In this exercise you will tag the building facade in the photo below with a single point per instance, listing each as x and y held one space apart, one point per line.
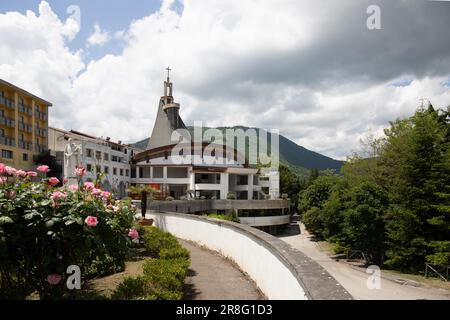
23 126
104 159
192 172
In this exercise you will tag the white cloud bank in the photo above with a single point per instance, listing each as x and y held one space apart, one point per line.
288 65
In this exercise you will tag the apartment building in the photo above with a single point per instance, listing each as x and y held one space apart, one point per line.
23 126
100 156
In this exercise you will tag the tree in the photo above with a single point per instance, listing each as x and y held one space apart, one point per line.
290 184
415 162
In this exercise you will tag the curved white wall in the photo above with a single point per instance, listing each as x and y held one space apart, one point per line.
271 275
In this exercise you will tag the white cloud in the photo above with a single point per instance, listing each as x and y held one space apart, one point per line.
290 67
98 37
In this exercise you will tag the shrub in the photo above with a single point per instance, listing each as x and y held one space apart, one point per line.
174 253
164 276
44 229
170 198
231 196
227 217
155 240
131 288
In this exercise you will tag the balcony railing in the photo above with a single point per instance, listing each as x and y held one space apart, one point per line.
40 115
25 145
41 148
41 132
7 102
7 141
7 122
25 109
25 127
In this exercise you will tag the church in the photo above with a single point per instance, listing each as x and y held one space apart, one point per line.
205 172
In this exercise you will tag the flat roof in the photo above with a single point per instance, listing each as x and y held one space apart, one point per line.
23 91
99 139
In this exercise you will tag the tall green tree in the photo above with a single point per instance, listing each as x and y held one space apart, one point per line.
415 162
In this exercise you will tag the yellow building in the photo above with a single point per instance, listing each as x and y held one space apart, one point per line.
23 126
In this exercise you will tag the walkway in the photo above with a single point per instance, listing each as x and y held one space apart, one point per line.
212 277
354 280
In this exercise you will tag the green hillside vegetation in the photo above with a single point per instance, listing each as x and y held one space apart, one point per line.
393 205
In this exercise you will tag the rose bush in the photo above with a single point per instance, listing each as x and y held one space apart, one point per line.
44 229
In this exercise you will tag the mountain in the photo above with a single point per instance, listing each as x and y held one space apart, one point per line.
298 158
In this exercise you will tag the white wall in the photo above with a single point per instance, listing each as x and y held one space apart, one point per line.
271 275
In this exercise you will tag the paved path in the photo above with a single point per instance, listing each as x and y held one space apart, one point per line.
355 281
212 277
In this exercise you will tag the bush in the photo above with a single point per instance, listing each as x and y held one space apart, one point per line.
155 240
164 275
227 217
170 198
231 196
44 229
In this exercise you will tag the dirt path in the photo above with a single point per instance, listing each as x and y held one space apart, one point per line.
354 280
212 277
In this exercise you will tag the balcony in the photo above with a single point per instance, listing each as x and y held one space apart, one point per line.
41 148
7 102
41 132
7 122
25 127
25 109
40 115
7 141
25 145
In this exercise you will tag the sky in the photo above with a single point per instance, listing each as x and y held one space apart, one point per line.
311 69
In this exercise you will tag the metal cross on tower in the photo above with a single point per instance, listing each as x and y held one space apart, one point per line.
168 73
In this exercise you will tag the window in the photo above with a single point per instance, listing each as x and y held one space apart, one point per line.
7 154
98 169
125 151
2 132
106 156
115 171
88 153
98 155
25 157
107 170
127 173
121 172
89 167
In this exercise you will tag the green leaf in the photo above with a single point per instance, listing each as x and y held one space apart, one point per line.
5 220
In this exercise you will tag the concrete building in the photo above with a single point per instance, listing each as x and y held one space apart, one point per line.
189 171
23 126
99 156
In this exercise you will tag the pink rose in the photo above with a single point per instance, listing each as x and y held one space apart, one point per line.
10 171
21 173
105 195
73 187
110 206
89 186
133 234
3 180
80 171
54 278
2 168
53 181
43 169
65 181
96 192
55 196
91 221
31 174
